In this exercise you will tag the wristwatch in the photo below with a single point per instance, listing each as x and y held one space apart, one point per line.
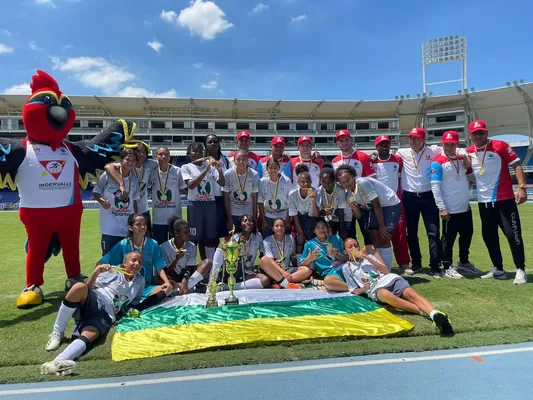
522 186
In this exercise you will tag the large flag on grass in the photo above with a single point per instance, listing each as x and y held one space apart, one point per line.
183 324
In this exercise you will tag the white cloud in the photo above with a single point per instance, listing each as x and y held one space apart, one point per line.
204 19
95 72
299 18
5 49
259 8
131 91
198 65
46 2
209 85
155 45
33 46
5 32
23 88
168 16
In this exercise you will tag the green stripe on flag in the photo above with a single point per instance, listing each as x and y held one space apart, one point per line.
188 315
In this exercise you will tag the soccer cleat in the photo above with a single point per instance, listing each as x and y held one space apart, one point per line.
495 273
520 277
58 367
54 341
437 274
413 270
468 268
452 273
72 281
441 321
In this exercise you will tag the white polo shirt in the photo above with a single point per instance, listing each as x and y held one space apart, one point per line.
416 172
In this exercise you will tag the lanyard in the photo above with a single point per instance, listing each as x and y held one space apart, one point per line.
281 250
417 162
162 187
275 192
482 162
242 186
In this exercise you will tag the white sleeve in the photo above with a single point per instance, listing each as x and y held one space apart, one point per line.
261 194
225 188
268 248
100 186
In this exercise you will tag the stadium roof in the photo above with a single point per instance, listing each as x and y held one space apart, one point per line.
505 110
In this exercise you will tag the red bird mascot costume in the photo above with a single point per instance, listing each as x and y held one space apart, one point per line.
46 169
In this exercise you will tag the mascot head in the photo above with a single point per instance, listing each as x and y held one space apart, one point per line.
48 114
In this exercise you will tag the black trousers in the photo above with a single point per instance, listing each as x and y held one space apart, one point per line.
462 224
502 214
416 204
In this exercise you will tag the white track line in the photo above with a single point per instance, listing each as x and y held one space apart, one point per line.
220 375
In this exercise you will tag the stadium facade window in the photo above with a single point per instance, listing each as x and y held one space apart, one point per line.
283 127
383 125
362 139
221 125
178 125
95 124
340 125
20 124
445 118
261 140
322 127
302 127
158 124
321 139
362 126
261 126
242 126
77 124
201 125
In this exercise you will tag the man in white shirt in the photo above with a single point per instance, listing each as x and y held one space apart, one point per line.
418 199
450 187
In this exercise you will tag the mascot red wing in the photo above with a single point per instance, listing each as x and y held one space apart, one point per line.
46 170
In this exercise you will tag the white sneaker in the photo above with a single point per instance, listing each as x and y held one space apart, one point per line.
58 367
54 342
495 273
520 277
452 273
468 268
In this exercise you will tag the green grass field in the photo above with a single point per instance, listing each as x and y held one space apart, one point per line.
483 312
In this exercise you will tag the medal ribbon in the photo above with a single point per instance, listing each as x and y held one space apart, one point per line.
329 203
349 158
142 175
281 250
417 162
274 193
482 162
161 187
456 166
133 246
242 186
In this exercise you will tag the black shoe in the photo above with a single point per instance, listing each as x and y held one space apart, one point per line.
442 322
72 281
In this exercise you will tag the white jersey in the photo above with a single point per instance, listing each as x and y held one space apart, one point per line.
114 292
48 178
336 200
167 204
368 189
416 172
205 189
299 205
240 201
114 220
250 249
143 176
275 196
169 255
280 252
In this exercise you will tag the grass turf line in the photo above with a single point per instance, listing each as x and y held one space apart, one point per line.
483 312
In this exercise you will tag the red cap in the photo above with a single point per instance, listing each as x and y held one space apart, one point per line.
382 138
243 134
477 125
343 133
305 139
418 132
278 140
450 137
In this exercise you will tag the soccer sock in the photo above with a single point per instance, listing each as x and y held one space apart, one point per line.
74 350
254 283
218 260
194 279
209 252
432 314
386 254
66 311
284 283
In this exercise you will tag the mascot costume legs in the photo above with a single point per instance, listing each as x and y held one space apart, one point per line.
47 170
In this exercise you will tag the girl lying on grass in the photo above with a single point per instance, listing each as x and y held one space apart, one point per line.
366 272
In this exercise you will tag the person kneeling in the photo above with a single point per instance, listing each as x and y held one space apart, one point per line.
366 272
94 306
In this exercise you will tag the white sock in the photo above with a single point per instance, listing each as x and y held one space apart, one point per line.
63 316
284 283
209 252
194 279
386 254
254 283
218 260
432 314
73 351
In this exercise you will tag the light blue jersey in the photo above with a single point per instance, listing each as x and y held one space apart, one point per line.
153 260
325 265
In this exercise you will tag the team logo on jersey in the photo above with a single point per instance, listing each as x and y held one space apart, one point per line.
433 171
164 197
240 197
63 150
53 167
121 205
509 150
274 205
205 191
427 156
395 167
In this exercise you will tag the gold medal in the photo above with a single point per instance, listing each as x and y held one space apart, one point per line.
416 163
163 197
482 171
163 187
241 186
457 168
482 161
309 191
281 250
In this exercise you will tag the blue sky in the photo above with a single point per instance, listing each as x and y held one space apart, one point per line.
273 49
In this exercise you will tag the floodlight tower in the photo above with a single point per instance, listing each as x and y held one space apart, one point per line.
444 50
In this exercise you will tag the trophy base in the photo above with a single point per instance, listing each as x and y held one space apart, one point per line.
232 301
211 304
